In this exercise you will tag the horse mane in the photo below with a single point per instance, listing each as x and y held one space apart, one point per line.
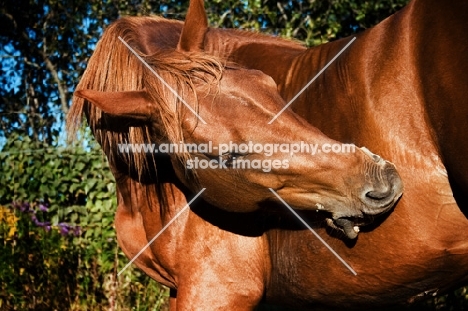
265 38
113 67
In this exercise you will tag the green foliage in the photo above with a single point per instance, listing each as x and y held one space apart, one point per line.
58 246
313 22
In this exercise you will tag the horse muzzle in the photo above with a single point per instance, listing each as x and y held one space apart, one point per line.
384 187
380 193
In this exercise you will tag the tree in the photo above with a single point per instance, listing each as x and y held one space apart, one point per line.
46 43
45 48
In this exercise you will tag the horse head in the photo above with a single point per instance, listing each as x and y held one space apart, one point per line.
216 118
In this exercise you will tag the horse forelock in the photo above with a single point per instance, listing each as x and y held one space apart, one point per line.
113 67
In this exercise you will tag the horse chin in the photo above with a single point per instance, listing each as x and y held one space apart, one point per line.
346 225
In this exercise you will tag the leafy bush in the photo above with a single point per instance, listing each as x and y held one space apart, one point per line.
58 247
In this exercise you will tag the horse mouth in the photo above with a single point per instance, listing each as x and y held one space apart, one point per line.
348 225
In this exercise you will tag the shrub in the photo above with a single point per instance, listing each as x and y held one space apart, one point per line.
58 248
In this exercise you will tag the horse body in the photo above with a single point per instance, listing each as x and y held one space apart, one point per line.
216 259
399 88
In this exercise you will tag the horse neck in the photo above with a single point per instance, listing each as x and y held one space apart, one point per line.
408 71
327 101
269 54
292 66
366 94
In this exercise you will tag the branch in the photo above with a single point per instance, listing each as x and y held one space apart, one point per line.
33 106
50 66
61 90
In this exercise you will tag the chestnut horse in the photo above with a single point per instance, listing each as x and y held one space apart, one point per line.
215 259
400 89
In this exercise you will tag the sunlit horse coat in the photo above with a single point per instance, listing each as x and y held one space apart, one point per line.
214 258
400 89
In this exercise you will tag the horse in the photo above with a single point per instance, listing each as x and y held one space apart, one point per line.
216 255
399 89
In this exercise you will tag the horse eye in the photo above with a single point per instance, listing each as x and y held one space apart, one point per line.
226 158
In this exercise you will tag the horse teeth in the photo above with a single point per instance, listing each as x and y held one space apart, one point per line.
356 228
319 206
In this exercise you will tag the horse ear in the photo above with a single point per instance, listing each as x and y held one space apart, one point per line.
195 28
131 104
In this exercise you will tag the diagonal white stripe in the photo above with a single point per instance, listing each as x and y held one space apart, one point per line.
310 82
160 232
315 233
162 80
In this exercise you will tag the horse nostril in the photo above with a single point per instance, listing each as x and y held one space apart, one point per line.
379 195
384 186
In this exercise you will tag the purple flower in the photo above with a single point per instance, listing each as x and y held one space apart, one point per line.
22 207
43 207
25 207
45 224
64 228
77 230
